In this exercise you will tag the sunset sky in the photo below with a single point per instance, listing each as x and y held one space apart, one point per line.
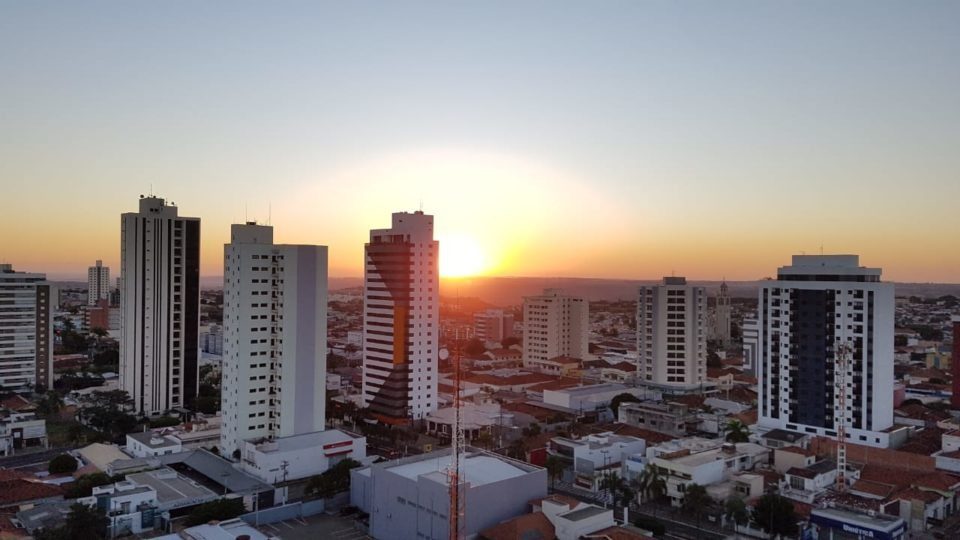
597 139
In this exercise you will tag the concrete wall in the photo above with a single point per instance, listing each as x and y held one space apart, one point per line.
404 508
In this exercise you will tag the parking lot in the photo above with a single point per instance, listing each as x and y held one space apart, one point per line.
320 526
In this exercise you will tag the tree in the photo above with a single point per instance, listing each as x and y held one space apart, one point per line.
736 510
555 466
220 509
651 484
518 450
62 463
713 360
775 515
483 440
618 488
737 432
474 347
532 430
619 399
50 403
696 501
332 481
509 342
83 486
106 412
83 523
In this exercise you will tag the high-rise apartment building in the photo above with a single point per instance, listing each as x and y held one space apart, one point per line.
27 304
721 316
98 284
401 322
554 325
955 363
819 307
160 301
492 325
671 333
751 344
274 338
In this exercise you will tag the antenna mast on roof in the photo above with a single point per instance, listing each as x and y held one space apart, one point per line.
457 516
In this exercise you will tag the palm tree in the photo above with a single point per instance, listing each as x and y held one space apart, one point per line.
650 484
617 487
555 467
737 432
696 500
736 511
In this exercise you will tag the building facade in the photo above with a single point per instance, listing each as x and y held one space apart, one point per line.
98 284
751 345
554 325
818 307
401 323
274 338
671 334
721 316
492 325
27 302
160 306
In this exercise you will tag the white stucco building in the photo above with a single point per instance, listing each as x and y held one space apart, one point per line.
160 306
274 338
671 333
555 325
98 283
27 304
300 456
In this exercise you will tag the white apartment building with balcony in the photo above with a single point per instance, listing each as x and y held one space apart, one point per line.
27 303
274 338
555 325
671 333
160 306
816 308
401 322
98 283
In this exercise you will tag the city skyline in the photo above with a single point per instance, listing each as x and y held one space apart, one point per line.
630 142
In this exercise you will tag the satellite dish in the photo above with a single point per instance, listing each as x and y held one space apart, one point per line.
444 354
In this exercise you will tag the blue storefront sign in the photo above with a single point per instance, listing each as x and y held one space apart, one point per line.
857 529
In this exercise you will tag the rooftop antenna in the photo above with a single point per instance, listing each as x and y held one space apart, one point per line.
821 247
270 213
245 218
151 189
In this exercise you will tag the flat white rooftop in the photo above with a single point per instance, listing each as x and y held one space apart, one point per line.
478 469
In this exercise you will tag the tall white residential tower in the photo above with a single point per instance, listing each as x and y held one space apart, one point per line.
401 308
160 300
671 333
27 303
274 338
555 324
98 283
817 304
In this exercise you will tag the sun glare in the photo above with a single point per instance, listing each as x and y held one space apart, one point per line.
460 256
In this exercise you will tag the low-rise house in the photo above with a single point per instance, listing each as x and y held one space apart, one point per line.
131 508
475 419
592 457
300 456
19 430
671 417
684 467
18 490
560 366
806 484
152 443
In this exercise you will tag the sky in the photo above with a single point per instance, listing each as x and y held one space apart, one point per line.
598 139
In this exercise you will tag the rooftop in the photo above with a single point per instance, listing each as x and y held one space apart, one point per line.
173 490
153 439
478 469
583 513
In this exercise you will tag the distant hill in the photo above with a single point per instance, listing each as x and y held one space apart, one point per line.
505 291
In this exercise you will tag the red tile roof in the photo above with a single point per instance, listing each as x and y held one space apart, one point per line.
914 494
20 491
513 380
939 481
16 403
556 384
878 489
526 526
652 437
